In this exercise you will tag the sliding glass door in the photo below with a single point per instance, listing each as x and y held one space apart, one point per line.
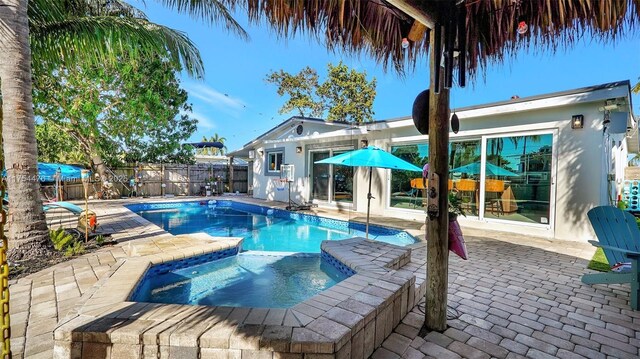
330 183
506 178
320 176
518 182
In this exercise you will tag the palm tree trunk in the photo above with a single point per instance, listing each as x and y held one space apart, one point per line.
28 233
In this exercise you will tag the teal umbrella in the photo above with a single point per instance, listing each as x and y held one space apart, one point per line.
371 157
491 170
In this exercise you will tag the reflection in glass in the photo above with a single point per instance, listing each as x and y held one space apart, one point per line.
518 178
342 182
464 172
320 176
407 189
406 186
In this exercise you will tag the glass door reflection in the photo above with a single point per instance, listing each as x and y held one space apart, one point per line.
518 178
342 181
320 176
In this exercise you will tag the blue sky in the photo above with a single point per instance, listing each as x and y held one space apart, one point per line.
235 101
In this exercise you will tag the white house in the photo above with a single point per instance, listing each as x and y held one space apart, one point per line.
531 165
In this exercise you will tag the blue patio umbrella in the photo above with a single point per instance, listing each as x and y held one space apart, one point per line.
491 170
206 144
370 156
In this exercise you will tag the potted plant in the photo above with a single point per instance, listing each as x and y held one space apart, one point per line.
456 240
455 206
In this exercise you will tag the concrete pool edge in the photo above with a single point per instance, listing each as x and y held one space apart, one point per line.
353 316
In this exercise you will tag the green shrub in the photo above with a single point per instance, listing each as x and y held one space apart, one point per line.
76 248
622 205
61 239
66 243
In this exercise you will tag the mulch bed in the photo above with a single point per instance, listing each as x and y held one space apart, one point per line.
34 265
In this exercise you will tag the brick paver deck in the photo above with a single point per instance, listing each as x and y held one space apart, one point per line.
516 297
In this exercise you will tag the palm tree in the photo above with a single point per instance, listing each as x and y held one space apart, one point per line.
66 32
217 138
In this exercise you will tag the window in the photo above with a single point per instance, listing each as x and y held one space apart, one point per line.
518 178
275 159
407 188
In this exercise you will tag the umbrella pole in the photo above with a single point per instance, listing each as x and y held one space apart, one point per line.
369 196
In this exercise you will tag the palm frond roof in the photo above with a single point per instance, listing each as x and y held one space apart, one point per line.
377 27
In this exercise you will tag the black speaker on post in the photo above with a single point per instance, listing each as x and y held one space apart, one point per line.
420 112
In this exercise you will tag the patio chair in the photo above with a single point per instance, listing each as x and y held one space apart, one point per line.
619 237
493 194
89 218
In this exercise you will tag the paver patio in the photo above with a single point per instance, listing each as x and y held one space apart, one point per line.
516 297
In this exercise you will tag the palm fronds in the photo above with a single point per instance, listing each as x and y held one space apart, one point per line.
102 40
209 11
377 27
105 31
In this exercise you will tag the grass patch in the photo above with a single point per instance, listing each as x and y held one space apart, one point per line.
599 262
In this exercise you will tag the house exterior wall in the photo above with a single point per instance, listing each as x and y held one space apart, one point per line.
286 139
579 174
587 168
264 184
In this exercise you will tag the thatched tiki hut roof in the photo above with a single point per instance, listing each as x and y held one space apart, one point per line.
378 26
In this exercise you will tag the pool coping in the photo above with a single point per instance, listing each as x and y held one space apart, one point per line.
350 319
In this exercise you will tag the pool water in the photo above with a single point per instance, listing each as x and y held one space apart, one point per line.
262 232
243 280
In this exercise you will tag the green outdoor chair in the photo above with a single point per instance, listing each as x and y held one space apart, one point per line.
619 237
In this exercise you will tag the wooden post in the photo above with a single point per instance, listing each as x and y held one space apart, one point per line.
188 180
162 184
437 228
231 174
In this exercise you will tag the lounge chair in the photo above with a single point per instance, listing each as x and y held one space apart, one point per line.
619 237
89 219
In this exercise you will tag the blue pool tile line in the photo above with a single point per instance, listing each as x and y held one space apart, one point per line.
343 268
173 265
275 212
188 262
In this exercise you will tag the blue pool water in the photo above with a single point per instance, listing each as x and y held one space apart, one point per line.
243 280
263 229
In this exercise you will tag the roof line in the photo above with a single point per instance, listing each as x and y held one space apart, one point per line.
293 119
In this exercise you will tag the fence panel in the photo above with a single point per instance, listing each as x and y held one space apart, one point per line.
179 180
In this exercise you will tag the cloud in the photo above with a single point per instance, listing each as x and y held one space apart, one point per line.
224 102
204 121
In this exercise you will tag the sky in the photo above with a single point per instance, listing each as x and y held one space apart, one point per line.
234 100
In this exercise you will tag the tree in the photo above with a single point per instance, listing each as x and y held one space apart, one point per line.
301 89
212 150
346 95
217 138
118 113
57 146
71 31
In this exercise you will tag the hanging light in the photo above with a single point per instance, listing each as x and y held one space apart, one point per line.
405 42
522 27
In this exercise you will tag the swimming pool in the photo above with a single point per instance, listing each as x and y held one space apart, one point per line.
249 279
263 228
